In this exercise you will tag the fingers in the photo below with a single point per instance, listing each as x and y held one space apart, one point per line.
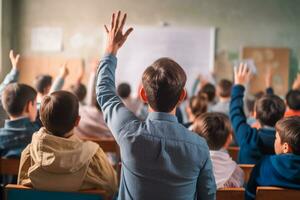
11 54
117 21
128 32
123 22
112 25
106 29
17 57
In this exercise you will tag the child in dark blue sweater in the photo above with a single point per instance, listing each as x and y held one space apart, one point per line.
283 169
254 143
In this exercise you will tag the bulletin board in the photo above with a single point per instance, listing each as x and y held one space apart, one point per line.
277 59
32 66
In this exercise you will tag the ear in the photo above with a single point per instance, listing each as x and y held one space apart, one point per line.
182 96
27 107
228 141
77 120
143 95
286 148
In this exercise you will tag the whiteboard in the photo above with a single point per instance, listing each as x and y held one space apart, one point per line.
191 48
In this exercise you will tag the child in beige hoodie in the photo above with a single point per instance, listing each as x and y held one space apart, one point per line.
59 161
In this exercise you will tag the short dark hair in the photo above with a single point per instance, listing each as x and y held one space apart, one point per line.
293 99
289 131
198 104
59 112
225 88
164 82
79 90
210 90
269 109
124 90
16 96
214 127
42 82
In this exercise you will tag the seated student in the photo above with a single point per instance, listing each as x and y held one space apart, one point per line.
293 103
161 159
78 88
223 92
124 92
59 161
19 102
216 129
43 84
197 105
210 90
254 143
282 169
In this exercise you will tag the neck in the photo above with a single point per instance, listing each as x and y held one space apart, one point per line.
224 99
173 112
17 117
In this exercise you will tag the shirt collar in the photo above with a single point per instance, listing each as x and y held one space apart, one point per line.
162 116
20 122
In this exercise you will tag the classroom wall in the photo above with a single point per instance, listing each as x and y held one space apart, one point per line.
270 23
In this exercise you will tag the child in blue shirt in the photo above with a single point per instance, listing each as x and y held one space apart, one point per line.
282 169
161 159
254 143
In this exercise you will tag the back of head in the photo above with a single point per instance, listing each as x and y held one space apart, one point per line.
164 82
269 109
59 112
15 97
224 88
198 104
214 127
289 131
293 99
210 90
124 90
43 83
79 90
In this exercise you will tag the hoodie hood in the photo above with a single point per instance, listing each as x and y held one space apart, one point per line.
61 161
287 166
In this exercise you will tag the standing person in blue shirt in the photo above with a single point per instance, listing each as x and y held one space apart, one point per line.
254 143
161 159
282 169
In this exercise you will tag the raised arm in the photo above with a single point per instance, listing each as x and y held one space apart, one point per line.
91 96
269 80
60 80
237 116
13 75
115 113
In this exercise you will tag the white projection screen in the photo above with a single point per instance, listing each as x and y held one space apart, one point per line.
192 47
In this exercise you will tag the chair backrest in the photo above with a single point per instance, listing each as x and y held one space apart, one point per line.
247 171
9 166
234 152
14 192
230 194
276 193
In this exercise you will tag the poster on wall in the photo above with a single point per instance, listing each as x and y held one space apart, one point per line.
46 39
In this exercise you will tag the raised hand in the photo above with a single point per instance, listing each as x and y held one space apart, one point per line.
14 59
269 77
64 71
115 35
242 75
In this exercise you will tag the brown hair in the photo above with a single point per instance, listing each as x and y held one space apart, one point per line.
225 88
79 90
269 109
163 82
289 132
214 127
16 96
59 112
198 104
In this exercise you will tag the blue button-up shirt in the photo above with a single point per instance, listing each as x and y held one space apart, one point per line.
161 159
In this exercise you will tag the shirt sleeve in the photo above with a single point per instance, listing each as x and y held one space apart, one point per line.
206 185
11 77
238 119
269 90
116 115
57 84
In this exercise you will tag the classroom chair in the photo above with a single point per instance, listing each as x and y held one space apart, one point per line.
230 194
16 192
276 193
234 152
247 168
9 166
